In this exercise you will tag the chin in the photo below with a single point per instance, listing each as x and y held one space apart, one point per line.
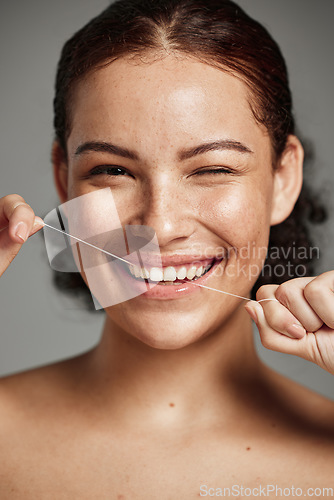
167 340
168 332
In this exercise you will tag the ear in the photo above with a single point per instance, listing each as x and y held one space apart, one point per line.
288 180
60 170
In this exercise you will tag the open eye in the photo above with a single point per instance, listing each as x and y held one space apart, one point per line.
108 170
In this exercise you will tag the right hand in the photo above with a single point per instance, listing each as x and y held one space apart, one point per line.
17 223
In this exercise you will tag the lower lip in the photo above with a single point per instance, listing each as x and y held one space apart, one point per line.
164 292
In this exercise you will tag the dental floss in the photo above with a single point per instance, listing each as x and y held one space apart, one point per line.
228 293
124 260
86 243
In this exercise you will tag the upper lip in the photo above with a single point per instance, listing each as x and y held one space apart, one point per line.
173 260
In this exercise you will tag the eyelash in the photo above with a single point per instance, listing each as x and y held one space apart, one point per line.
104 169
107 171
214 171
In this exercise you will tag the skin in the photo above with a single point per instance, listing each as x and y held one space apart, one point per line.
174 395
161 187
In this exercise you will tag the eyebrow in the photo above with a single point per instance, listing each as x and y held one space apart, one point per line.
222 145
185 154
106 147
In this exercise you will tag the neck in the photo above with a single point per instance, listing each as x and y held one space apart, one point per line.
164 387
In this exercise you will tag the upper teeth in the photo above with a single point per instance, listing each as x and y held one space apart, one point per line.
168 273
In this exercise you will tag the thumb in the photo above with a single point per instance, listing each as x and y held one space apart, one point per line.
270 338
255 311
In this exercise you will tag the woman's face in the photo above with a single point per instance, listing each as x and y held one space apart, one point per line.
199 173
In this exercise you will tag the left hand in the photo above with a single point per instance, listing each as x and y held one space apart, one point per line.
301 319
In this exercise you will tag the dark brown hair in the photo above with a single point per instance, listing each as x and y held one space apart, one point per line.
216 32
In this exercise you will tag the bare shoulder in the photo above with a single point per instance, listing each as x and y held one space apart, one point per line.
39 421
311 410
296 424
35 392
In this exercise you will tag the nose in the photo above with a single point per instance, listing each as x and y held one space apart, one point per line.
166 208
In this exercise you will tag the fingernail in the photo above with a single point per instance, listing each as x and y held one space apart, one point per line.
38 222
22 231
296 330
252 313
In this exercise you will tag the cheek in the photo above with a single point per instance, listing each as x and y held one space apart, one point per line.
237 215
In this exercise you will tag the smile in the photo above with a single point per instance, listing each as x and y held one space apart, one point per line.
175 278
171 275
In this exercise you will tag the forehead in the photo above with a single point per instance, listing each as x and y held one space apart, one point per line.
170 99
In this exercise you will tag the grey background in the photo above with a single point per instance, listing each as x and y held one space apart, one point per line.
37 325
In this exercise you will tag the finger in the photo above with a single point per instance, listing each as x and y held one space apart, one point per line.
278 317
291 295
17 223
18 216
319 294
272 339
7 206
10 249
37 226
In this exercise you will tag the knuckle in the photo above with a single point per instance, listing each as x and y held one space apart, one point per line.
312 290
262 292
27 210
283 294
14 209
26 207
326 275
265 292
13 198
11 202
300 282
